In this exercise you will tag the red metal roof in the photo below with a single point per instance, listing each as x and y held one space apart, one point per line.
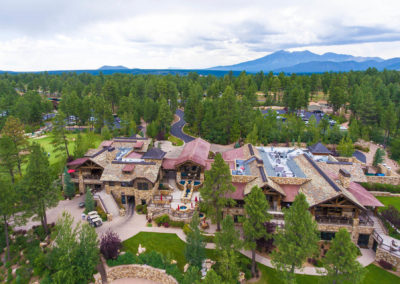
195 151
128 168
363 196
134 155
233 154
138 144
238 194
77 162
169 164
291 191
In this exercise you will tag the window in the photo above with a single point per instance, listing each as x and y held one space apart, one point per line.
143 201
127 184
143 186
236 218
111 183
327 236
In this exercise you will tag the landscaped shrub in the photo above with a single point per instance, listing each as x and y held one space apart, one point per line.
176 224
141 209
127 258
166 224
208 239
102 214
386 265
392 215
186 229
39 232
361 148
162 219
110 244
381 187
152 258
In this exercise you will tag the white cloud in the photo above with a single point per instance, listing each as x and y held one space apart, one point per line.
48 35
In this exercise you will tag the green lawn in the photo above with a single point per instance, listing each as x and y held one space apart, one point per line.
48 147
171 244
387 200
175 140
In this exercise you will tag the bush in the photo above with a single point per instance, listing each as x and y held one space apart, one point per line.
177 224
127 258
392 215
39 232
102 214
361 148
186 229
141 209
162 219
110 244
166 224
386 265
208 239
381 187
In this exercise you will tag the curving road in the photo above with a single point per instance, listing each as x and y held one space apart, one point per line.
176 128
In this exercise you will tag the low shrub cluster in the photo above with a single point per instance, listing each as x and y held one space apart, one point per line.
386 265
167 222
392 215
102 214
381 187
361 148
153 259
141 209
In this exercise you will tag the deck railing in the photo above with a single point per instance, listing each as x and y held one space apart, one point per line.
334 220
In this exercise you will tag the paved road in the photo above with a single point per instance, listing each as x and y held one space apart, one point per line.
176 129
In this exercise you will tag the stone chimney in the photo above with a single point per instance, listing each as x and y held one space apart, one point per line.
344 177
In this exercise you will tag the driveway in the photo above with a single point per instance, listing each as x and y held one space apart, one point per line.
176 128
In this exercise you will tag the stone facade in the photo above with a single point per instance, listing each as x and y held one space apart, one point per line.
387 256
394 180
136 271
139 195
290 180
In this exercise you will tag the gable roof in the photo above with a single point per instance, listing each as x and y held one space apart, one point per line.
319 148
77 162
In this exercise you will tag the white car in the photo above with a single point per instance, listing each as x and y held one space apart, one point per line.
92 215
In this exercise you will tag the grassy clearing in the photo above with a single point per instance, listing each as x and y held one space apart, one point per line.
171 244
175 141
388 200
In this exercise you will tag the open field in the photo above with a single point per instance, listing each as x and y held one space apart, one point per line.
387 200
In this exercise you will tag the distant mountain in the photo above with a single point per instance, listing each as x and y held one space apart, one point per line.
107 67
308 62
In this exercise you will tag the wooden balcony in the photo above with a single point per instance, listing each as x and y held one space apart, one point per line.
338 220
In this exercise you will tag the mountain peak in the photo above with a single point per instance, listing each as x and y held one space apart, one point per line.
108 67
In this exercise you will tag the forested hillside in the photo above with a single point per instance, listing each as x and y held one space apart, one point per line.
219 109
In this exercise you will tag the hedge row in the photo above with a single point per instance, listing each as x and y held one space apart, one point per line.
381 187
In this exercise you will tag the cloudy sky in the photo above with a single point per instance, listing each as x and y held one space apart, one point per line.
86 34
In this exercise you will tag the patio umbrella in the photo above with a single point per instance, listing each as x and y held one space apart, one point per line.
191 204
161 197
195 199
178 207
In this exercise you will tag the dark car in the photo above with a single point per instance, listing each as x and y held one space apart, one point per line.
81 204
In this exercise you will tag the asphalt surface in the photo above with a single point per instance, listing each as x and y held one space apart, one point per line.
360 156
176 128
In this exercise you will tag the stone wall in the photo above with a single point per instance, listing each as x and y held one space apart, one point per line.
139 194
387 256
394 180
136 271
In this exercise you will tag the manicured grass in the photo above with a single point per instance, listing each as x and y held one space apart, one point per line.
164 243
374 275
175 141
48 147
388 200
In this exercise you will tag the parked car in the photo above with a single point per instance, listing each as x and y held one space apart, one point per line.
95 222
92 215
81 204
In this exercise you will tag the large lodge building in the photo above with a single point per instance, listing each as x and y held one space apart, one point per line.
133 171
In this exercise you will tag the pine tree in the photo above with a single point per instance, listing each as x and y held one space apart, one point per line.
105 133
39 192
341 260
229 266
346 147
256 207
69 189
59 134
228 238
89 201
195 246
378 157
211 278
252 137
297 241
192 275
8 156
14 129
217 183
